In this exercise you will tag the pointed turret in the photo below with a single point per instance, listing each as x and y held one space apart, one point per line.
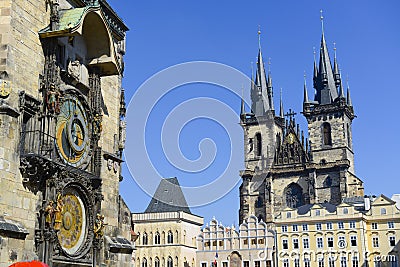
336 71
261 93
324 81
341 91
305 99
315 77
270 88
349 103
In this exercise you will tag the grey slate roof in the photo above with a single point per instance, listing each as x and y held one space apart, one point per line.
168 198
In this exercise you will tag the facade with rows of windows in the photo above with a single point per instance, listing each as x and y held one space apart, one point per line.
345 235
252 244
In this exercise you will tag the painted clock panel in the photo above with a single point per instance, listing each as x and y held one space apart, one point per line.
73 223
72 132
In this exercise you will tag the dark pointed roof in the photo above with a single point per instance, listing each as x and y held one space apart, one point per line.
325 81
168 198
261 89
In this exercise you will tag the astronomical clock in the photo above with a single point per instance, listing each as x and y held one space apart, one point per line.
61 157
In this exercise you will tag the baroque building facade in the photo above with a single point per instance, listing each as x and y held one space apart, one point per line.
166 232
283 168
358 232
62 130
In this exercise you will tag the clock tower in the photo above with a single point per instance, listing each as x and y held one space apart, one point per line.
63 104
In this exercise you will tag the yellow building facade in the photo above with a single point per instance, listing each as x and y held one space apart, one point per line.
346 235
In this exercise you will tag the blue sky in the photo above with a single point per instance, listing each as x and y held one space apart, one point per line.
166 33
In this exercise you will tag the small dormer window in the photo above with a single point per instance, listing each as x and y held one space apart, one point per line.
383 211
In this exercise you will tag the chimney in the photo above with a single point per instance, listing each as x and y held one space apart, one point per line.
367 202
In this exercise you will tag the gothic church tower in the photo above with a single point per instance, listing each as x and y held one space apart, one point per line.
283 168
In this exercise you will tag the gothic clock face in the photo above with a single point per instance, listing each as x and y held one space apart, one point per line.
72 131
73 223
290 138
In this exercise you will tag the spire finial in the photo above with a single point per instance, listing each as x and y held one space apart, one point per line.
259 36
334 48
322 21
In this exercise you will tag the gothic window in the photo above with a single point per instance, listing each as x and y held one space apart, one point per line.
157 238
327 137
294 196
144 262
258 145
156 262
145 239
170 238
170 263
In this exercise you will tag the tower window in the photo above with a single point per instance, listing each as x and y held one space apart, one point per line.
258 145
294 196
327 138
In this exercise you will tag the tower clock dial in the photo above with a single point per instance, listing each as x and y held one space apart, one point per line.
72 132
290 138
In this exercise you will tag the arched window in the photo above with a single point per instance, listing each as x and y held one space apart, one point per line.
170 238
294 195
258 145
157 238
383 211
345 211
145 240
156 262
170 263
144 262
326 131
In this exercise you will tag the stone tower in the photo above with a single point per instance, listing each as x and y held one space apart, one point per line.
283 167
62 132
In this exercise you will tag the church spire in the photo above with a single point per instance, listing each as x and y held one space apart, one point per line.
325 81
261 98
